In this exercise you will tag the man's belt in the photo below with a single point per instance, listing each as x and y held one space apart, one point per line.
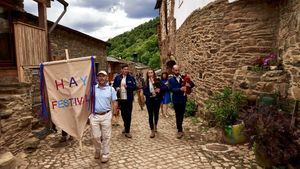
102 113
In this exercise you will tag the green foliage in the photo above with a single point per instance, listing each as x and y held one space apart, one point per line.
257 68
223 107
190 109
194 120
142 40
269 129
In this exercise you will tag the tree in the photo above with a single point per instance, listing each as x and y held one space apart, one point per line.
141 40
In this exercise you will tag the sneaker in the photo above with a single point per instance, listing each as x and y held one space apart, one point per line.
123 131
128 135
97 155
105 158
152 135
179 135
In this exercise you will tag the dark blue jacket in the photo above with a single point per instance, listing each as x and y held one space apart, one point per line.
177 95
148 94
130 83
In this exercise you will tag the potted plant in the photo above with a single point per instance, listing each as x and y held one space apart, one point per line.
272 139
224 107
268 62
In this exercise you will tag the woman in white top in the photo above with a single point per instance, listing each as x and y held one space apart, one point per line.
153 92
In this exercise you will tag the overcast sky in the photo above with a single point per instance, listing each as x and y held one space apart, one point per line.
102 19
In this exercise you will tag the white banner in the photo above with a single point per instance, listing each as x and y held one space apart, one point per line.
68 85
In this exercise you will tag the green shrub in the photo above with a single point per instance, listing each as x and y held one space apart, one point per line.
223 107
269 129
191 108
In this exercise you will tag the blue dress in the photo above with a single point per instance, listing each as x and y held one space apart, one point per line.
166 96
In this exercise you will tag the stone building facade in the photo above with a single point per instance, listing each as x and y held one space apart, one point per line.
166 31
288 42
217 40
78 45
19 102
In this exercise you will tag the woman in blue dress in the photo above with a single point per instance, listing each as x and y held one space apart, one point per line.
166 95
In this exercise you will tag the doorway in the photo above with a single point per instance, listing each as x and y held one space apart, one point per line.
7 58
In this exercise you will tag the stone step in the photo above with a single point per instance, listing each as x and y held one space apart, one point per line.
8 79
5 98
15 84
14 87
13 90
7 160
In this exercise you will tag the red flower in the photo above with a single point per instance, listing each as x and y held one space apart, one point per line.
185 80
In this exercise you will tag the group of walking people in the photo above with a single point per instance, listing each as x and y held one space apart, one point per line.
108 99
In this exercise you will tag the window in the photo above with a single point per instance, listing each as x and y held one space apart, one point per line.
6 57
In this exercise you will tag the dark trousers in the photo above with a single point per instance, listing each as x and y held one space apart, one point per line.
64 134
126 111
153 106
179 111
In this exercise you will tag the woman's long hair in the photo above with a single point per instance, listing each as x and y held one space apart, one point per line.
155 80
162 76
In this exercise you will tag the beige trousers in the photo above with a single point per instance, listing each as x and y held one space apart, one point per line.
101 131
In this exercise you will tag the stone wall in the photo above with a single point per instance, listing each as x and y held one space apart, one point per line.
289 47
19 109
289 42
220 38
262 82
77 45
16 119
33 96
166 32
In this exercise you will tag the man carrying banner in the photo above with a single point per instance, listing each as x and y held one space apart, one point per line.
125 85
100 121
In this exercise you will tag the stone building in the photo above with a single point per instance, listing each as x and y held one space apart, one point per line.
24 43
215 40
114 67
77 43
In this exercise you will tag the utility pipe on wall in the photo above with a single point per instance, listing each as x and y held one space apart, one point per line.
65 4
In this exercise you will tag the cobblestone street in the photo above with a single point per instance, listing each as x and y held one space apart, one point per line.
164 151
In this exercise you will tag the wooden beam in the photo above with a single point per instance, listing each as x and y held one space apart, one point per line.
40 1
48 2
42 14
